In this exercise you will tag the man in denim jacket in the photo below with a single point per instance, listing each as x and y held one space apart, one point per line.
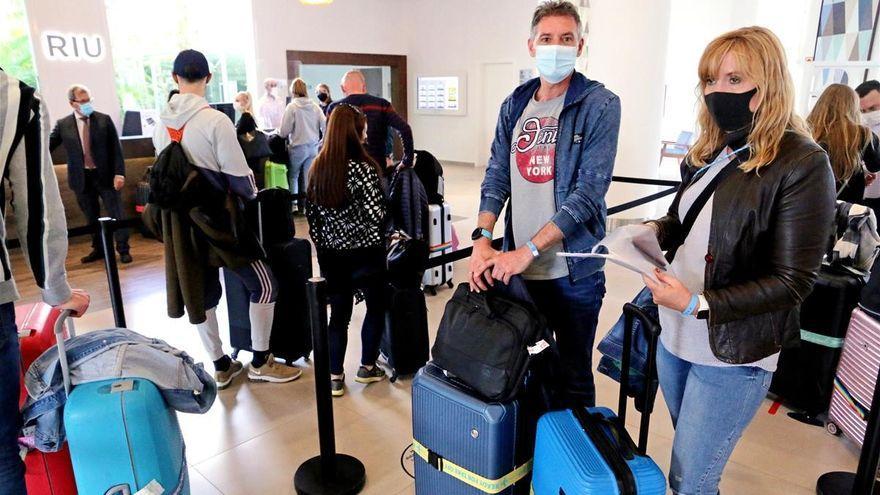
552 159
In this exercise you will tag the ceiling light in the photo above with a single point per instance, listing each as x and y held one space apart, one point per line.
316 2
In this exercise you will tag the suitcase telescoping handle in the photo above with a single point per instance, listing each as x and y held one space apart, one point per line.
62 349
651 328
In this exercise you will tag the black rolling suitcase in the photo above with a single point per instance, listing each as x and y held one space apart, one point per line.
141 198
291 340
804 377
404 344
291 263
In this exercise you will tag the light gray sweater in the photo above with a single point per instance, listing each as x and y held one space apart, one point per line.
303 122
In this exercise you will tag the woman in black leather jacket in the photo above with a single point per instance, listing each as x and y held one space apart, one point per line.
730 298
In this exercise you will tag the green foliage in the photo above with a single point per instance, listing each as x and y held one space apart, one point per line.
15 45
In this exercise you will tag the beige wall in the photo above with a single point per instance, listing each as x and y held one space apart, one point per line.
65 19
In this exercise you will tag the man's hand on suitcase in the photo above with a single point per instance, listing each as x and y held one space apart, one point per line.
506 265
481 267
77 304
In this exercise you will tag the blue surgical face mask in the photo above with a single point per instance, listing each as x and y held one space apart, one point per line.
555 62
86 109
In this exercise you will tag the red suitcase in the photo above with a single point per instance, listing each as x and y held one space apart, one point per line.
45 474
856 376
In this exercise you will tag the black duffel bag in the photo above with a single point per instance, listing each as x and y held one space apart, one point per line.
487 340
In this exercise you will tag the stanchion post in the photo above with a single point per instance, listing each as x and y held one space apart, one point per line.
329 473
863 481
108 228
326 425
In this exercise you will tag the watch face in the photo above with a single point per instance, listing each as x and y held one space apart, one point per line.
476 234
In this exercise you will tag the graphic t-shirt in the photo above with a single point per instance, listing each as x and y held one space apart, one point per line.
532 182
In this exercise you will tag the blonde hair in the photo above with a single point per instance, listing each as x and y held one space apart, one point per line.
247 107
836 123
298 88
760 57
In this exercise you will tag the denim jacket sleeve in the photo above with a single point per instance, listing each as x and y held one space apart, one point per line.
595 168
495 190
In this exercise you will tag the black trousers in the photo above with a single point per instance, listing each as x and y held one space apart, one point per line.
346 272
90 205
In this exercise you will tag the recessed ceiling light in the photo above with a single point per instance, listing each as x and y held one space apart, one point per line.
316 2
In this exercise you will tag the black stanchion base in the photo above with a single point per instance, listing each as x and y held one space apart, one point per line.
838 483
349 478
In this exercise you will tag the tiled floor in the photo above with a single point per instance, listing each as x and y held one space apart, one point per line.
256 435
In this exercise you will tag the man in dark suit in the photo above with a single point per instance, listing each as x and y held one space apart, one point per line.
95 168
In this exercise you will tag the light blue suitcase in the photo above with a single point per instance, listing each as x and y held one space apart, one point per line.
121 434
122 437
588 451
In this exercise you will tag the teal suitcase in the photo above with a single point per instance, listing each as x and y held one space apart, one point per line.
123 437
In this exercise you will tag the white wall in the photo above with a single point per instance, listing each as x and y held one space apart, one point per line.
359 26
441 47
88 18
628 54
627 38
694 23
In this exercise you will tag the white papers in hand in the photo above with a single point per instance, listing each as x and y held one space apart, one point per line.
633 247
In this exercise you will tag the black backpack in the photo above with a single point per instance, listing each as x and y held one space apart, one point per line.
430 172
170 173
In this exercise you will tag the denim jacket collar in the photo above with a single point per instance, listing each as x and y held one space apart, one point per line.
578 89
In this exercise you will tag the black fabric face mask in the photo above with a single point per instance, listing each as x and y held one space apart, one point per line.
731 110
323 97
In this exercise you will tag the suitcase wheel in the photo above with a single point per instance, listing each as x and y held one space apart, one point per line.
393 377
449 284
832 428
235 353
431 289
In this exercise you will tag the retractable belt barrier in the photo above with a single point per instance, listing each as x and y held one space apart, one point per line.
672 188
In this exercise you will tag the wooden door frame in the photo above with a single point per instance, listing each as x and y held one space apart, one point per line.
296 58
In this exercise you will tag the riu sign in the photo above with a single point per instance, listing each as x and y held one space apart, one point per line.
71 47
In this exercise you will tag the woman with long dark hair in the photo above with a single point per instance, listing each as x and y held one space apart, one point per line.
345 207
761 195
854 151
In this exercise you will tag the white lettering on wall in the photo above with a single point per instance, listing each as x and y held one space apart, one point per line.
72 47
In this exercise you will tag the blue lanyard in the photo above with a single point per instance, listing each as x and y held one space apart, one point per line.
718 160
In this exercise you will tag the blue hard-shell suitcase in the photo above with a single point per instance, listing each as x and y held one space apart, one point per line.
465 446
588 451
122 437
568 459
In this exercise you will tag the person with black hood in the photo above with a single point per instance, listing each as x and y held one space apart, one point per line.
255 145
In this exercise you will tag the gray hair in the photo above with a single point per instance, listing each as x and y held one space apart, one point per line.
71 91
553 8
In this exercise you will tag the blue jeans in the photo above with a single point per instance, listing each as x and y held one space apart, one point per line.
11 467
572 311
301 158
710 406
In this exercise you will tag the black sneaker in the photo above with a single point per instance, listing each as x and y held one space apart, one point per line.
364 375
125 258
337 387
92 257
